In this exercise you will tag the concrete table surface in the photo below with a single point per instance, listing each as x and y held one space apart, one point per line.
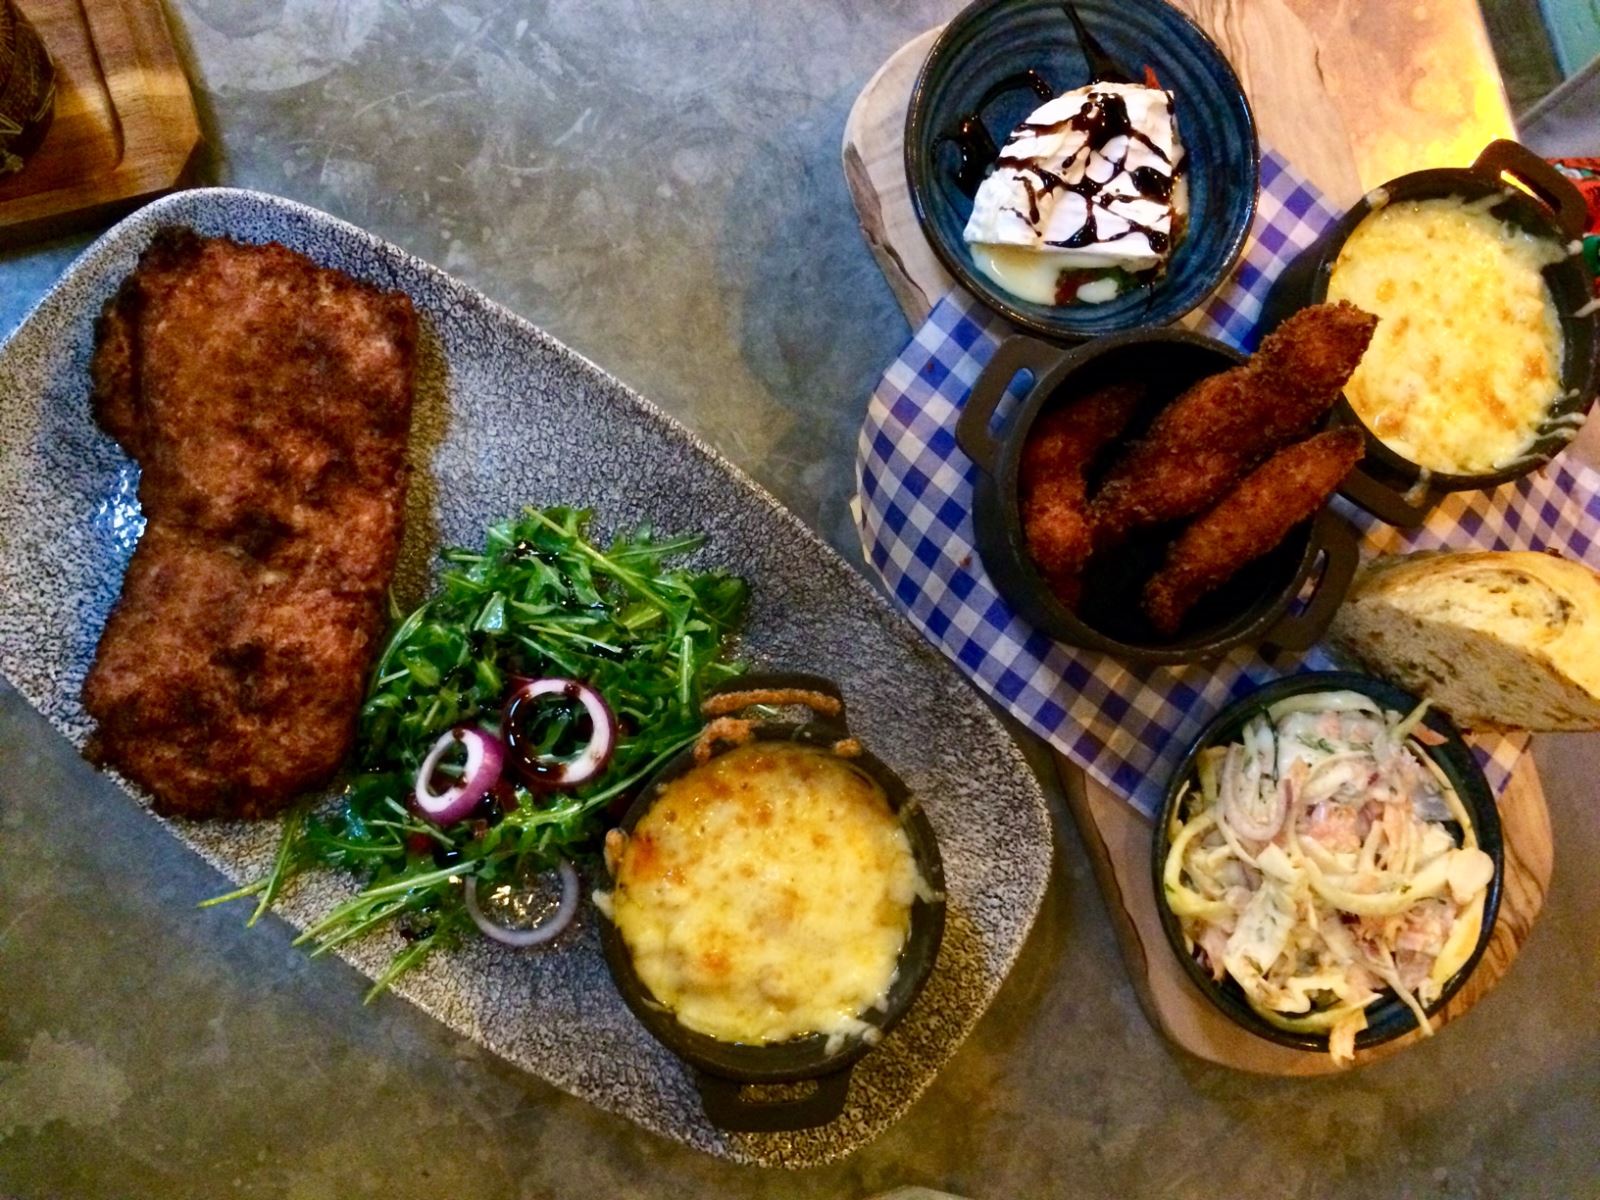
657 185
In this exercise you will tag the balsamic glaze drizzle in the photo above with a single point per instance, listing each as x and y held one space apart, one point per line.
1103 119
972 138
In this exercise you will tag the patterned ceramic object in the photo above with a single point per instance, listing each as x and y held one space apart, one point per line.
992 40
507 416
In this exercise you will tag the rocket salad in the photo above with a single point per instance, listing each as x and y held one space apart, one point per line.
540 685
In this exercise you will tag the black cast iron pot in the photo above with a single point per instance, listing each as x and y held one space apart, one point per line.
1388 1018
1253 606
723 1069
1394 488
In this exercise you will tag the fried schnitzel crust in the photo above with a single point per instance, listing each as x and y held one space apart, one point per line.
1248 522
1051 484
267 401
1210 436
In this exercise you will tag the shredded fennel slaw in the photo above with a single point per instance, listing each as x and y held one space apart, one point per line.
1315 864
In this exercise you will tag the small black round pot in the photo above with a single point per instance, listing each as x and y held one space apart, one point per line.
1389 1018
1390 486
1251 607
723 1069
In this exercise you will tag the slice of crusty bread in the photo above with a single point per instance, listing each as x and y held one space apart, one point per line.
1498 639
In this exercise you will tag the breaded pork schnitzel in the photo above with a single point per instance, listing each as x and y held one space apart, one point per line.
1205 440
267 401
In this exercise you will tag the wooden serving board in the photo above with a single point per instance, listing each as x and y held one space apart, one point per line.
125 128
1278 61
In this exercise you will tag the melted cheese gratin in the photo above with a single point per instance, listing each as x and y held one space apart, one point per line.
1466 360
766 894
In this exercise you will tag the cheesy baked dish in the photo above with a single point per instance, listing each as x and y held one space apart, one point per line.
1466 361
766 895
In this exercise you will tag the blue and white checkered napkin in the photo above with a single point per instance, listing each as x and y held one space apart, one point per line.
1128 724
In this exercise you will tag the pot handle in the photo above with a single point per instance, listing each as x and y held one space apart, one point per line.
789 681
1384 502
727 1108
1300 631
1015 354
1502 157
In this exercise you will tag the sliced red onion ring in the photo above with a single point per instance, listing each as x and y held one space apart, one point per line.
485 760
548 771
546 929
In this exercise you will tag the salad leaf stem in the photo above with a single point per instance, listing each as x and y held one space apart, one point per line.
282 865
249 889
406 960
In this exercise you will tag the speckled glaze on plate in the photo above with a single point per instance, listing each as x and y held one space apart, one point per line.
507 416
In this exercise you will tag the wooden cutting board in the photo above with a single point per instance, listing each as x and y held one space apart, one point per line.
1279 61
125 128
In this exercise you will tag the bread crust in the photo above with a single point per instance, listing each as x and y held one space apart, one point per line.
1498 639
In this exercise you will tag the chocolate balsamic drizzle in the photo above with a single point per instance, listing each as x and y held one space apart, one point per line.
972 138
1102 120
1102 67
1152 183
977 152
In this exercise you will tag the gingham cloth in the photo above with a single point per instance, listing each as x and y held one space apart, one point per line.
1128 724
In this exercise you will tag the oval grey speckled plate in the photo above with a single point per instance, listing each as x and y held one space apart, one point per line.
507 416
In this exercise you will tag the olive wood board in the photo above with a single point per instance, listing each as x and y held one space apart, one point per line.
125 127
1276 58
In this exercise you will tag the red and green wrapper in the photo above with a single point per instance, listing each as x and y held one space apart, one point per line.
1585 176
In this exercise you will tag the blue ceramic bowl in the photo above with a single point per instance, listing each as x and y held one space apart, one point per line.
994 39
1389 1017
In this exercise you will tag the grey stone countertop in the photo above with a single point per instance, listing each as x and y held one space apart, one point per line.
657 184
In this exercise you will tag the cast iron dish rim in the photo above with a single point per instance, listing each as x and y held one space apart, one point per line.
1477 797
923 939
1064 624
1469 183
990 293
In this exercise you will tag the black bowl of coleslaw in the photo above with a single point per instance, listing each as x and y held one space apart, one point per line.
1389 1016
